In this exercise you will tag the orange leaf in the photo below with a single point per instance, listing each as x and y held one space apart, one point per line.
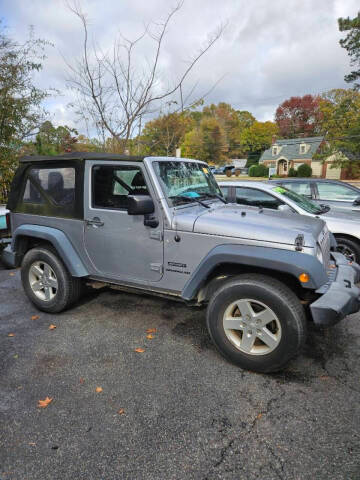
81 380
98 390
35 317
259 416
121 411
32 443
52 327
139 350
151 330
150 337
11 334
324 377
44 403
11 274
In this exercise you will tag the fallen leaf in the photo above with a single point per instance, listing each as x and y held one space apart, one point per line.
151 330
35 317
324 377
32 443
81 380
52 327
44 403
11 334
139 350
150 336
11 274
98 390
16 356
259 416
121 411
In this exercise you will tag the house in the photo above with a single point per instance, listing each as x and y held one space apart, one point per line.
291 153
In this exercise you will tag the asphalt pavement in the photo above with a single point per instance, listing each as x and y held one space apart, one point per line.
177 409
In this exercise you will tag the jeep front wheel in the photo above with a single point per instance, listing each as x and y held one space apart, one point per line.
256 322
47 282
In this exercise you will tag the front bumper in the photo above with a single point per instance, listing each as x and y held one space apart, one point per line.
339 296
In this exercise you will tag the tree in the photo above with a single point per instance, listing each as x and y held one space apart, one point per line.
352 44
304 170
207 142
55 140
21 112
164 134
299 116
340 109
114 92
258 137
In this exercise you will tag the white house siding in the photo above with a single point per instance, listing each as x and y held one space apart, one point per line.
333 173
316 166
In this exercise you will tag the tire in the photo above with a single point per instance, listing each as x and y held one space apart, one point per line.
282 322
350 248
228 173
57 289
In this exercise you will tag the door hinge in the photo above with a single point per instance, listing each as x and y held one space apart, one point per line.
156 235
156 267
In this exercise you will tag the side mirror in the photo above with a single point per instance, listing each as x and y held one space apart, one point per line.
285 208
140 205
356 202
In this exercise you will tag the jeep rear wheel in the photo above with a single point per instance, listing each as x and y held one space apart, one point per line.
256 322
47 282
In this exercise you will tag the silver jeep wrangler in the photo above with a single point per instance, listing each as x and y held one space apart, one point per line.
161 226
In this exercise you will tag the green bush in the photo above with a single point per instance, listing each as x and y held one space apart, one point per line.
292 172
253 171
304 170
258 171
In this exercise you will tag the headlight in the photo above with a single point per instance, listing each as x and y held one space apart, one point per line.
319 254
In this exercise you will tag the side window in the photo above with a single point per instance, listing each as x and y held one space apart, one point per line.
111 185
57 185
256 198
336 192
225 191
302 188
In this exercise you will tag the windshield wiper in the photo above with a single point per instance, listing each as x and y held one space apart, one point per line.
189 200
214 195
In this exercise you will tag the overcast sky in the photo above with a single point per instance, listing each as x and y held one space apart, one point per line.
271 49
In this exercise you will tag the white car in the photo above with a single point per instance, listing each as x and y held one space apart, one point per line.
344 225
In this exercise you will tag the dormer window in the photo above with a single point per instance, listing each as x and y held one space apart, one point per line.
303 148
275 150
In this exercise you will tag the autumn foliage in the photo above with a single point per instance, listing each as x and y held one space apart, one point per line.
299 116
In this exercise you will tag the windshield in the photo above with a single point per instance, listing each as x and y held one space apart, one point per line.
185 182
300 200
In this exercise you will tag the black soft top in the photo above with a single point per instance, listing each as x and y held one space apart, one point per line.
81 156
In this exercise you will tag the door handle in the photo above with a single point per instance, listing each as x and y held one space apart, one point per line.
96 222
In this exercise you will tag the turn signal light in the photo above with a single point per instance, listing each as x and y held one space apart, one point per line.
304 277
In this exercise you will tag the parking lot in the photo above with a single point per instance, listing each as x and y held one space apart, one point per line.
177 409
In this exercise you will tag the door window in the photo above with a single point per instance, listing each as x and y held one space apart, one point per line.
302 188
256 198
336 192
112 185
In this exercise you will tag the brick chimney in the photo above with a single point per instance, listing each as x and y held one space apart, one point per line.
273 140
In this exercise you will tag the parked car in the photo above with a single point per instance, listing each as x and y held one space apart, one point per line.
336 194
227 170
344 225
4 225
161 226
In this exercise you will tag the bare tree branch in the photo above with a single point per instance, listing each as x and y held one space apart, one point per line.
113 90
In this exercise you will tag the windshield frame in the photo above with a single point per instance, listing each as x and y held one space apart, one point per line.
301 201
209 177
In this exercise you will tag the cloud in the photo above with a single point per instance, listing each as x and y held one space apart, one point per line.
269 51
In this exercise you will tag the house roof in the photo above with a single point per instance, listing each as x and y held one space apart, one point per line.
290 149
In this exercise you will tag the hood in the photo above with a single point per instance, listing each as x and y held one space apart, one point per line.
249 223
334 213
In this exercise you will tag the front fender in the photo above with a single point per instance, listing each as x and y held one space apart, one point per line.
287 261
57 238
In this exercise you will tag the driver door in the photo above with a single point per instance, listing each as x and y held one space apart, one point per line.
120 245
